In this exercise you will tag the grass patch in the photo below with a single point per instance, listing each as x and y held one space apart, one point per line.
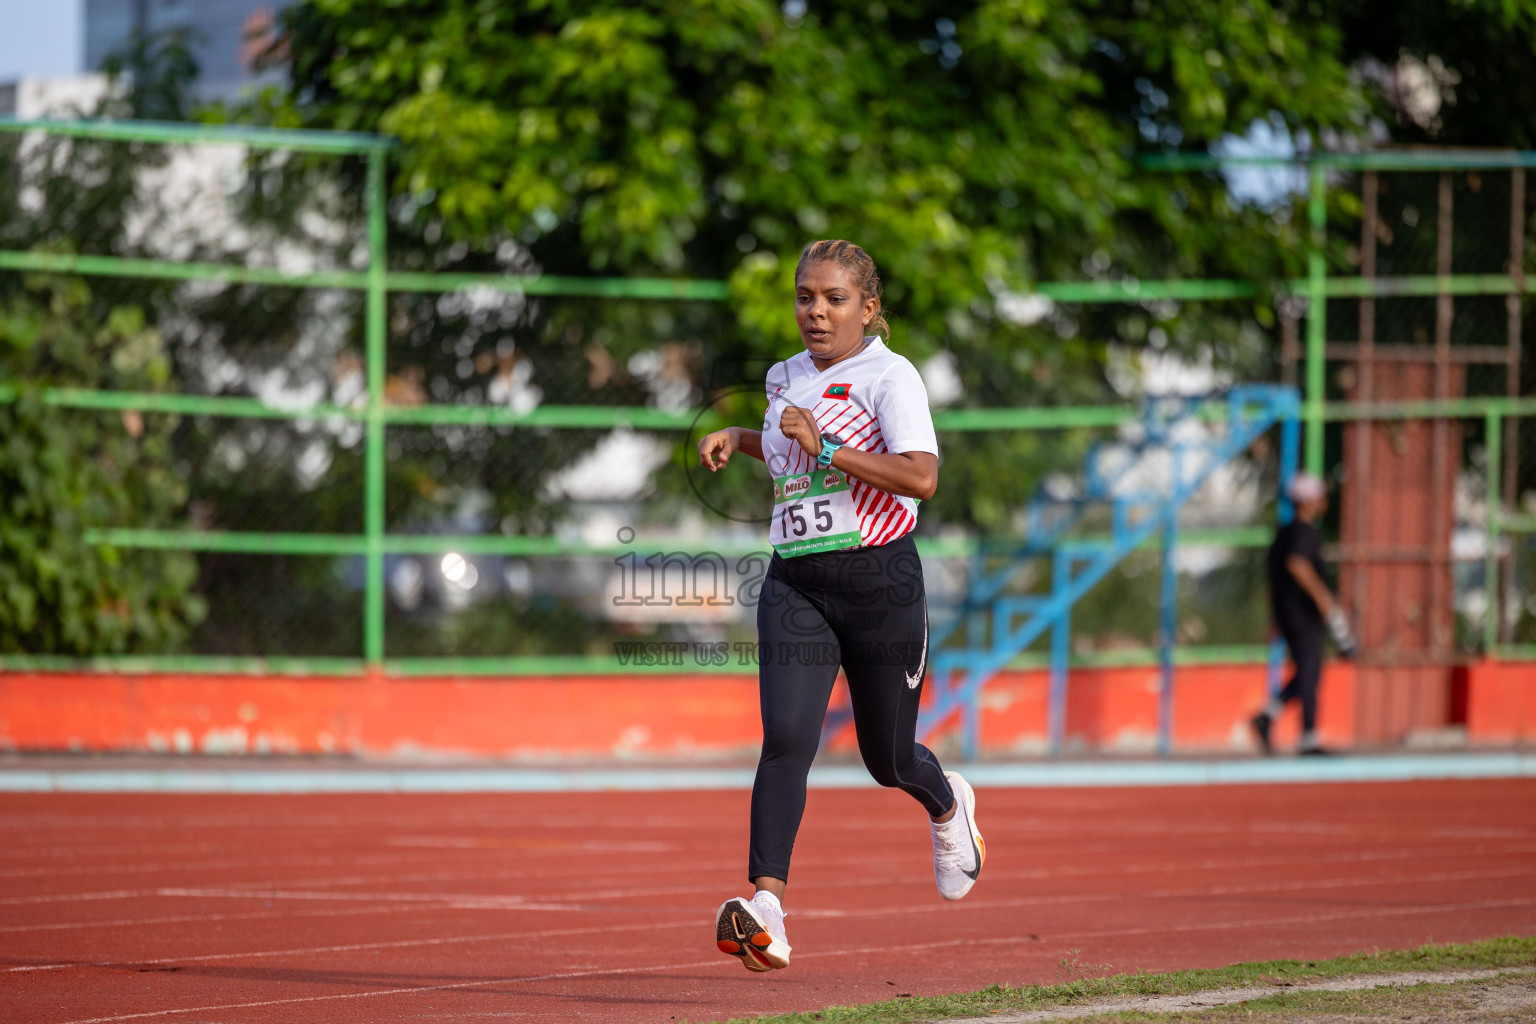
1508 997
1512 952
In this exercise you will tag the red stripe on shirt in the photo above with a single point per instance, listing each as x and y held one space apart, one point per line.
852 426
879 524
870 429
870 432
867 505
874 512
867 444
898 526
880 530
866 499
796 453
841 420
803 457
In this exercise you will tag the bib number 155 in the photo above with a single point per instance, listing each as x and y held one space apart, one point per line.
794 517
813 513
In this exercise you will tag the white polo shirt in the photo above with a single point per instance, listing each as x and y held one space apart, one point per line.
875 401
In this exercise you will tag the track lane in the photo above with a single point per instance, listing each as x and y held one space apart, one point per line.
401 907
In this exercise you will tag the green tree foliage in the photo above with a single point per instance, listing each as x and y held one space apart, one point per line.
62 472
975 148
972 151
972 148
65 472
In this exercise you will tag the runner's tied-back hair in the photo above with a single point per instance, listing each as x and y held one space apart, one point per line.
859 266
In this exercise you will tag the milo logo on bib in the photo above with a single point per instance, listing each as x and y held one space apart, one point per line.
796 486
813 512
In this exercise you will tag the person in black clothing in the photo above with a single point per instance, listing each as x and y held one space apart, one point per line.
1303 608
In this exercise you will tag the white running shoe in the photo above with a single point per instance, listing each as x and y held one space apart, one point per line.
753 931
958 849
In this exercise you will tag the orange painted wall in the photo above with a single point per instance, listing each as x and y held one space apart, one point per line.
683 717
1501 703
1115 710
580 717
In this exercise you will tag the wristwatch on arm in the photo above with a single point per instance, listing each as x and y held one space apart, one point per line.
830 443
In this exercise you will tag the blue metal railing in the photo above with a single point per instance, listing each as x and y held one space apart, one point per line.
1143 482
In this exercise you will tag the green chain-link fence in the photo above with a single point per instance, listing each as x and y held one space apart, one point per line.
440 460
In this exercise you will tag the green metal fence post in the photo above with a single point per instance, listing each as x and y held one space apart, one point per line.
375 282
1317 317
373 602
1494 436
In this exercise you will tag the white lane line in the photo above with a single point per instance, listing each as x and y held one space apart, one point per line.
468 900
242 893
1424 908
78 897
252 915
347 948
882 950
625 894
433 876
246 863
1254 888
972 905
520 873
1037 874
549 844
577 900
1130 895
565 901
841 862
515 980
1163 929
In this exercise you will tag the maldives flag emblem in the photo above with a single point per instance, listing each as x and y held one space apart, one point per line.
839 391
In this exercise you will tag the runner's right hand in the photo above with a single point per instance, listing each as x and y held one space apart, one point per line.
716 449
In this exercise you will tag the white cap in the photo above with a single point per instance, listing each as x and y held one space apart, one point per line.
1305 487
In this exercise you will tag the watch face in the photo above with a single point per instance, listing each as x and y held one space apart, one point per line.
832 438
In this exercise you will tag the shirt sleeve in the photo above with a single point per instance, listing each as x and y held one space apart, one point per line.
901 406
774 381
1308 544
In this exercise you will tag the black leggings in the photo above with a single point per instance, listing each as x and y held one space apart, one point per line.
1305 639
864 610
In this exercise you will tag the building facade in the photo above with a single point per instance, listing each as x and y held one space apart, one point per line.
225 36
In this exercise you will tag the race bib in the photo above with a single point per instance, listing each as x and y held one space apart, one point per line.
813 512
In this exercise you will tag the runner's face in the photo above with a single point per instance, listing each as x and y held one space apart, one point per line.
830 312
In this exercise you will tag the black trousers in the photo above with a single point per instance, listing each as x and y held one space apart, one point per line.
863 610
1305 639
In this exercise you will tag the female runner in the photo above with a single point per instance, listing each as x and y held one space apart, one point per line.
850 444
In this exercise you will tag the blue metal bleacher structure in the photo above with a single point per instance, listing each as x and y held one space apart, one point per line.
1140 480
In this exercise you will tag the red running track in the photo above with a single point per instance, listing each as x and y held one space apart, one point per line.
548 907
